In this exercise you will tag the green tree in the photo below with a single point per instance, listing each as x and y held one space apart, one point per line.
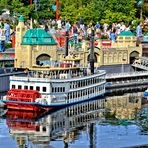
119 10
108 11
19 8
142 9
15 6
5 4
43 9
103 10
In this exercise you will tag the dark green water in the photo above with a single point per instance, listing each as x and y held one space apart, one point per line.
117 120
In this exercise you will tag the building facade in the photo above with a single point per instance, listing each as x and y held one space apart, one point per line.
35 47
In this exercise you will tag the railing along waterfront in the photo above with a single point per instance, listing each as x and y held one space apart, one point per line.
126 74
141 63
141 66
127 83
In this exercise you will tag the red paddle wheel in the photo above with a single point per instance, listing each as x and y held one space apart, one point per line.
23 100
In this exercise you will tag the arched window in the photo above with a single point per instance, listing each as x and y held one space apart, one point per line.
43 59
133 56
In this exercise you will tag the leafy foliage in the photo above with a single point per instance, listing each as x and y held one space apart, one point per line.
43 9
15 6
104 11
108 11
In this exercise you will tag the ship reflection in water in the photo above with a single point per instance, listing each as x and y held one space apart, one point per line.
113 121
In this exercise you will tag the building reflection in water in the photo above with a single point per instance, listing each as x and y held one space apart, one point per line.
65 125
126 106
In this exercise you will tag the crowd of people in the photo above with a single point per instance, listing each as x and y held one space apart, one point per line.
78 30
82 30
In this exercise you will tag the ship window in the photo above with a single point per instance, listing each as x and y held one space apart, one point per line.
37 128
44 89
25 87
38 88
44 129
52 89
63 89
19 86
13 86
31 87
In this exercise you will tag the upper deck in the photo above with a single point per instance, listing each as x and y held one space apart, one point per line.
63 77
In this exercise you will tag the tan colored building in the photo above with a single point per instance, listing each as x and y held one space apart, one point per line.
35 47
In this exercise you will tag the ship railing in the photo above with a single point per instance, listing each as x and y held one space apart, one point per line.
55 77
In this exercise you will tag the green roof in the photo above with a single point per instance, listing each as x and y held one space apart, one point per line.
21 19
38 36
146 35
126 33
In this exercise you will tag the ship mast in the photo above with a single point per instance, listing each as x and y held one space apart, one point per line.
91 58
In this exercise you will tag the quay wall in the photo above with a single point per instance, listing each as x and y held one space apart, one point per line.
4 80
121 80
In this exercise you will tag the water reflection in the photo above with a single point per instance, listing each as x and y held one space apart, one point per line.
126 106
142 121
67 125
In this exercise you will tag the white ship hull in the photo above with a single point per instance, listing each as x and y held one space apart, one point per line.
59 92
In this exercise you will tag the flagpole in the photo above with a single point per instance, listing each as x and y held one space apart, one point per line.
57 10
31 24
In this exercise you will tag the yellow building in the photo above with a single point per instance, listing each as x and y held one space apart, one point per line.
32 45
36 45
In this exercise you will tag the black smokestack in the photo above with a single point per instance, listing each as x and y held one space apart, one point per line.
91 59
66 45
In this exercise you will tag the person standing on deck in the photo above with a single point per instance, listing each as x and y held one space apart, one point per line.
113 35
7 31
75 33
139 34
67 26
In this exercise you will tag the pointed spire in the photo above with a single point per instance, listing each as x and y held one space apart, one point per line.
21 19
